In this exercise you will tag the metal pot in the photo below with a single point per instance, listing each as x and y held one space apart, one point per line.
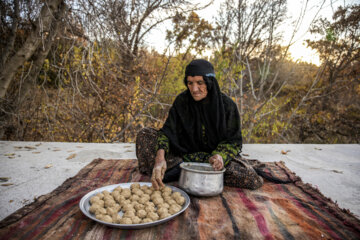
200 179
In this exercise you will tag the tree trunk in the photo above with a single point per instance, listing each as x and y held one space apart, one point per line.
40 55
33 41
10 43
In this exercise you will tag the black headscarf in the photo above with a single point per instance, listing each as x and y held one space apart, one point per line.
216 112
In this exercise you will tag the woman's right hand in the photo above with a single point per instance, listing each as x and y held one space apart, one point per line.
159 169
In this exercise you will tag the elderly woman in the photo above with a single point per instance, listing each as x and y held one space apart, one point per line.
203 125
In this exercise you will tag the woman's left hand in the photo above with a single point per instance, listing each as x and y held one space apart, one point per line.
216 162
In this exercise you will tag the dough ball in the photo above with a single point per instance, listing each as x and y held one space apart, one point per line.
165 205
129 214
180 200
94 208
142 201
106 193
175 195
144 187
119 199
148 191
144 198
118 188
94 199
167 198
126 193
171 202
108 198
136 220
164 215
146 220
160 205
156 192
134 185
125 220
155 196
99 216
150 209
134 203
127 201
166 189
100 195
128 207
111 211
164 194
101 203
149 204
116 218
158 201
141 213
162 210
138 192
114 215
100 211
152 215
107 218
109 203
114 194
139 206
134 198
117 207
174 209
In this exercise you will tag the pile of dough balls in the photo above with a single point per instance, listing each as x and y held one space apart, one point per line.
139 204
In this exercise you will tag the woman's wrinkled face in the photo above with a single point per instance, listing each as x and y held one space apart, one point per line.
197 87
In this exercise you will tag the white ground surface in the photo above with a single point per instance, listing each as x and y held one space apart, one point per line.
37 168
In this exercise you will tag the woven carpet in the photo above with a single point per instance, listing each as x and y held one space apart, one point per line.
284 208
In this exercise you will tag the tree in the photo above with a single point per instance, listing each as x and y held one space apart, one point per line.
128 23
249 56
44 29
96 82
339 47
330 106
190 34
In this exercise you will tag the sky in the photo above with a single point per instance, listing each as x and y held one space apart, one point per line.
298 49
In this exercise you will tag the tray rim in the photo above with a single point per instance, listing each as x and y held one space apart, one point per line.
184 165
86 198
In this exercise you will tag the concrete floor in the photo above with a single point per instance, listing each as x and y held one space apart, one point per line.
31 169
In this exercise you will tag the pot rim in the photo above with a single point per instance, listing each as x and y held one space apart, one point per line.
185 164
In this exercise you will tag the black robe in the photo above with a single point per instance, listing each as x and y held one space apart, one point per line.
216 117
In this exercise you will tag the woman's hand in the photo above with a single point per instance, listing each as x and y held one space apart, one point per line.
159 169
216 162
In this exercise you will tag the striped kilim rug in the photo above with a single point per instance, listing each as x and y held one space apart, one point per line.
284 208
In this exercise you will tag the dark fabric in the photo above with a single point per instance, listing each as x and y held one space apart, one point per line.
146 140
199 67
172 174
217 113
227 151
275 211
239 172
163 143
145 149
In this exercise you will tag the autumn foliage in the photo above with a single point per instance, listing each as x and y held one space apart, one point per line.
104 86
